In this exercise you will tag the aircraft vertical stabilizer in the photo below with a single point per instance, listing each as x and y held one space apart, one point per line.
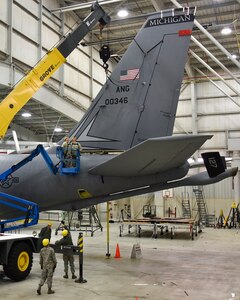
139 100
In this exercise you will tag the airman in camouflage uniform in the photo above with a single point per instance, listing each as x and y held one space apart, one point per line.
48 263
75 149
67 240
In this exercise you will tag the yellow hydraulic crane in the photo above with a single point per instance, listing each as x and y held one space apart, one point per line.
49 64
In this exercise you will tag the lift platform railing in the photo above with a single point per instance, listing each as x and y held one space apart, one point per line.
68 165
30 209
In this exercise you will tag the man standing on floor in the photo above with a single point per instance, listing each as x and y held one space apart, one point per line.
67 240
46 232
48 263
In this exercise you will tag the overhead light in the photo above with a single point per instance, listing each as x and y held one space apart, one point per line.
233 56
226 30
58 129
122 13
26 115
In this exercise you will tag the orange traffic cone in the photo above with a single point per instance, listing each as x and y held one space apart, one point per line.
117 254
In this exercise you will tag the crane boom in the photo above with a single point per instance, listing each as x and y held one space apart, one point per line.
49 64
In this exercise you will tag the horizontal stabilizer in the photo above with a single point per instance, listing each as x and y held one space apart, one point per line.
203 178
152 156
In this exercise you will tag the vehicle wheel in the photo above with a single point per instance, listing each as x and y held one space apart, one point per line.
20 261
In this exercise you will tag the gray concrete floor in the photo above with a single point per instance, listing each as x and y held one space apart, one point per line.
206 268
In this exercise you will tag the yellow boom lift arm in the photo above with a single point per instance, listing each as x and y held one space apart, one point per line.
49 64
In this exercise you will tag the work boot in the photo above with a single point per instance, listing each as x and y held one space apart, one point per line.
65 276
74 276
39 290
50 291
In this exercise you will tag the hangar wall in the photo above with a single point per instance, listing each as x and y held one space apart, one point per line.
216 113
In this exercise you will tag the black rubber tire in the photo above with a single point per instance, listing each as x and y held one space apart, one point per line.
20 261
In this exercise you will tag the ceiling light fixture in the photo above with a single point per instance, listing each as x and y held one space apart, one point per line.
122 13
226 30
26 115
233 56
58 129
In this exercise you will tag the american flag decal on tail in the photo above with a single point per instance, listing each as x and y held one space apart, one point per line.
129 74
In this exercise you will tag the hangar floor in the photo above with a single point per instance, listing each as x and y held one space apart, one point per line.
206 268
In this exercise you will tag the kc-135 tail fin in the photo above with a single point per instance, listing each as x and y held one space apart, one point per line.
139 100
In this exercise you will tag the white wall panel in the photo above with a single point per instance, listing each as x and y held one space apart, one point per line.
220 122
4 11
53 23
25 23
207 89
185 123
49 38
96 88
184 108
31 6
220 105
24 51
86 49
99 73
3 35
77 80
80 61
50 4
186 92
78 98
96 55
234 134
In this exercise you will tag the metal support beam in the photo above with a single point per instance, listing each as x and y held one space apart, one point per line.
84 5
217 86
211 37
214 72
10 41
61 70
214 58
40 30
158 5
91 68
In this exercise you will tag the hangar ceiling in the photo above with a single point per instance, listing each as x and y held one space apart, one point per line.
213 15
208 46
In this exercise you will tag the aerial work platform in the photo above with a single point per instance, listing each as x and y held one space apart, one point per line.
157 225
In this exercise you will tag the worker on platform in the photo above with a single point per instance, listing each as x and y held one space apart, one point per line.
67 257
75 150
48 263
66 146
46 232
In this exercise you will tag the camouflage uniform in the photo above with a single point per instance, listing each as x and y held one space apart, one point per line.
67 154
67 240
48 264
75 149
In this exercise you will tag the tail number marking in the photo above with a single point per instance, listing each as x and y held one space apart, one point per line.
213 162
112 101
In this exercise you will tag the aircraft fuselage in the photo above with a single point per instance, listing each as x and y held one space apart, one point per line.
35 182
